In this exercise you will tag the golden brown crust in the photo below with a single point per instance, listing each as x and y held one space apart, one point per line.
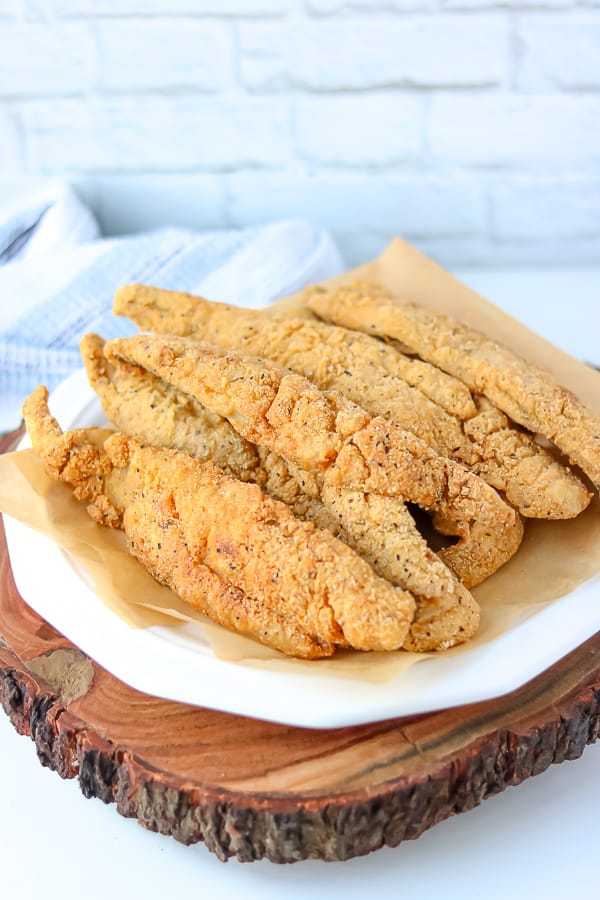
225 547
378 378
334 358
383 532
512 461
377 527
147 408
439 624
265 404
248 540
315 430
76 457
529 395
387 460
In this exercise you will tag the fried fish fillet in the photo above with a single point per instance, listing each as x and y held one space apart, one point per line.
323 432
374 375
162 415
147 408
526 393
323 353
223 545
377 527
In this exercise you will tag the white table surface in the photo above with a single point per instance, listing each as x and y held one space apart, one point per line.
539 839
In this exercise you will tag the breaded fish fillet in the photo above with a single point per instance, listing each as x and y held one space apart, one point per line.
374 375
224 546
318 351
160 414
383 531
526 393
322 431
377 527
147 408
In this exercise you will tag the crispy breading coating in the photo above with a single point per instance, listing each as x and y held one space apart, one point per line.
147 408
320 431
383 532
512 461
526 393
264 403
76 457
390 461
224 546
334 358
374 526
376 377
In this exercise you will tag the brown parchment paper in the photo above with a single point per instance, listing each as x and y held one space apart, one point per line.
554 558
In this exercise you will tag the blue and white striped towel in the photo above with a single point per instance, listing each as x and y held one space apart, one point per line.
58 279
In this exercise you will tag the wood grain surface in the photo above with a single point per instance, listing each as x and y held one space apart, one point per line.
253 789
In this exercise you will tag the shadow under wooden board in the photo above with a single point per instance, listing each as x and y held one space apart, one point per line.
254 789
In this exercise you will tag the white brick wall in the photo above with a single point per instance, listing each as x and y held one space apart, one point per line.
163 55
420 205
10 9
472 127
347 130
37 60
559 55
161 7
149 133
525 207
361 54
513 131
10 150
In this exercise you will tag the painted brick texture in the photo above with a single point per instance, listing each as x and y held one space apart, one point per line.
471 127
362 54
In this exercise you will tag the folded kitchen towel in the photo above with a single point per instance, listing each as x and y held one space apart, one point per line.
58 278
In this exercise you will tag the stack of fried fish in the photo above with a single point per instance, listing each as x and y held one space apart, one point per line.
271 469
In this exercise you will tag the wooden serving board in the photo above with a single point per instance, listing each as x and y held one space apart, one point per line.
253 789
